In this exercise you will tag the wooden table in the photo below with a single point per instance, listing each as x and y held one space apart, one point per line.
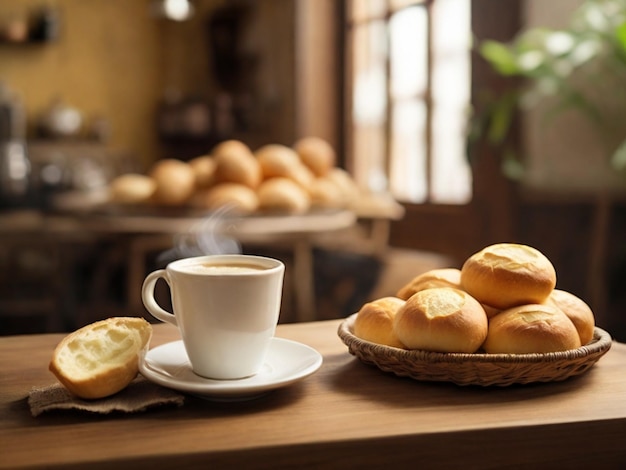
347 415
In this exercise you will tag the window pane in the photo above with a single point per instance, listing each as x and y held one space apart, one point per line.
408 31
398 4
361 10
369 105
408 151
370 171
451 175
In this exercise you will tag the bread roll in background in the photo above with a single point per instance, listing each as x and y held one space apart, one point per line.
442 319
231 197
325 193
374 322
235 163
345 183
175 182
101 358
131 188
283 195
277 160
576 310
440 277
534 328
507 274
204 168
317 154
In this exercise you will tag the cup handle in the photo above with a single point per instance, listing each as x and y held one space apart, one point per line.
147 295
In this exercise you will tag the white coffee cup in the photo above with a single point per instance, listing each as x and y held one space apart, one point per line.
226 308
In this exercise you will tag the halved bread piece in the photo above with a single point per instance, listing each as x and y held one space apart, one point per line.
101 358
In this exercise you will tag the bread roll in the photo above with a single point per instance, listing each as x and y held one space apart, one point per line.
101 359
175 182
303 176
326 193
317 154
576 310
442 277
235 163
506 274
533 328
442 319
131 188
491 311
277 160
374 322
283 195
234 197
346 184
204 168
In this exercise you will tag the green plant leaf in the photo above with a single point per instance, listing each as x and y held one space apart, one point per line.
618 159
511 165
501 117
500 57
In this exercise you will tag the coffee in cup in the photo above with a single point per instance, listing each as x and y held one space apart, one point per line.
226 308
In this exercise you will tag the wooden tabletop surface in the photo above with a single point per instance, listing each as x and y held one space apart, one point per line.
346 415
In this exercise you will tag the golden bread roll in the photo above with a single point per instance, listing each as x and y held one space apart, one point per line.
534 328
101 359
326 193
317 154
131 188
440 277
303 176
235 163
577 311
175 182
374 322
283 195
442 319
234 197
204 168
507 274
491 311
345 183
277 160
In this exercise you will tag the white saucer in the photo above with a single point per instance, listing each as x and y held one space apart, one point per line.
287 362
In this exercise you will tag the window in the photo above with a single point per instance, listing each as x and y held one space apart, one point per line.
408 93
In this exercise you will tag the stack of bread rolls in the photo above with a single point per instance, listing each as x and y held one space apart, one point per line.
502 300
273 178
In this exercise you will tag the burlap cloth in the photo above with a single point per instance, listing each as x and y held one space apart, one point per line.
140 395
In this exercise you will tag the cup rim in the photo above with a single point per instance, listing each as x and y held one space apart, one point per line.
269 264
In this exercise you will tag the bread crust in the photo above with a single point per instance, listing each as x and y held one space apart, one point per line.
441 277
234 197
317 154
576 310
235 163
505 275
204 168
442 319
374 322
175 182
283 195
89 368
534 328
131 188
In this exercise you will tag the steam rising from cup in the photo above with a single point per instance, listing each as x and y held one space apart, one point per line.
207 237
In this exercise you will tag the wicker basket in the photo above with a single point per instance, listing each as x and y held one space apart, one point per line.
477 369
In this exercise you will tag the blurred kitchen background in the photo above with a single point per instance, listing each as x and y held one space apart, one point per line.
420 107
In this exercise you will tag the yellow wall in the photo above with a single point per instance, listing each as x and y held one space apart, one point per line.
106 62
115 59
